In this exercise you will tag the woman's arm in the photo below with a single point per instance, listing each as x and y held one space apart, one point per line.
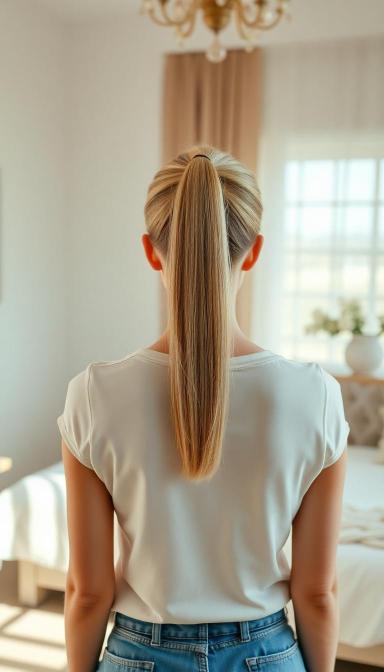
315 532
90 582
86 620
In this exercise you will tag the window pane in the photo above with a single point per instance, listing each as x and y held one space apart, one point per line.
318 180
291 223
307 273
292 180
355 275
287 349
379 311
314 274
380 276
381 190
355 225
359 179
316 225
312 351
288 317
381 227
289 272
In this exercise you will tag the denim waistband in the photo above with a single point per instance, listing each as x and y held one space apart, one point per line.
199 630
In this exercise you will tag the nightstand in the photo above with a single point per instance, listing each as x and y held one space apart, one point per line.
363 397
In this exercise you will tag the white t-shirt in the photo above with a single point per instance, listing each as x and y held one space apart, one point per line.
210 551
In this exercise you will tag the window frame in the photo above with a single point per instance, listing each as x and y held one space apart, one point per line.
336 148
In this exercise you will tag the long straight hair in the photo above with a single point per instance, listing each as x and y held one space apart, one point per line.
202 213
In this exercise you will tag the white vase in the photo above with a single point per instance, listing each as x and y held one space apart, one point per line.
364 353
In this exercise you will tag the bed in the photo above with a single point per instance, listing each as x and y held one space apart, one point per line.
34 534
360 560
360 568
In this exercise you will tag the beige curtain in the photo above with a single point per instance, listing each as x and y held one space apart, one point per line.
217 103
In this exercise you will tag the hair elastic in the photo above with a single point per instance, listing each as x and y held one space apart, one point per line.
204 155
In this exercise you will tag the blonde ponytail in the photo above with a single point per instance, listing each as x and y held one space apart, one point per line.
203 210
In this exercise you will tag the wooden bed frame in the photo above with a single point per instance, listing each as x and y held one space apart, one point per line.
35 581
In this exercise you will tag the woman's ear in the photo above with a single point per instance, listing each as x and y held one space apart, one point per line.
150 253
253 254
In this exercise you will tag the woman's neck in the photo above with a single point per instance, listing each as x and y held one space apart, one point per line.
241 344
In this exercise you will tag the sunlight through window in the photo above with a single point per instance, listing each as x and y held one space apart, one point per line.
334 247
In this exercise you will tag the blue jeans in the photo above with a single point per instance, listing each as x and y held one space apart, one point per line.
266 644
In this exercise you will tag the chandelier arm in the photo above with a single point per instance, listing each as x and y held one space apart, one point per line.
188 31
272 24
239 25
241 13
255 22
192 19
153 16
178 22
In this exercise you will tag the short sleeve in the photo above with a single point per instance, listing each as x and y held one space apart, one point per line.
75 423
336 428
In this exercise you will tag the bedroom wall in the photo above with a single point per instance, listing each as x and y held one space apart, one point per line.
33 234
115 139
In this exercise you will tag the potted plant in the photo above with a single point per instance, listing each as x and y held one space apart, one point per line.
364 352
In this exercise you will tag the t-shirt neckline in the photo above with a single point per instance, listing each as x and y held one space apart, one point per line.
235 362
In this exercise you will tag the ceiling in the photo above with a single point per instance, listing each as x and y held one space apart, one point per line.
311 19
82 9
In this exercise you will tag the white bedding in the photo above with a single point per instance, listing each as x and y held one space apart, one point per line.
361 567
33 527
33 519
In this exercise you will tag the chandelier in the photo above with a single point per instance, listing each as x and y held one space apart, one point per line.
251 17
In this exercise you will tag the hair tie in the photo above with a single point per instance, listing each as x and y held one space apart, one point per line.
204 155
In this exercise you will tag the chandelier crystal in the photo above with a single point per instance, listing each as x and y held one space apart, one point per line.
251 17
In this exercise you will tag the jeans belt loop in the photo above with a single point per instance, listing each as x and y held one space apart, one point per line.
244 631
156 634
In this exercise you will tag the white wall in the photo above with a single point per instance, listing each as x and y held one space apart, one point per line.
115 142
79 143
33 240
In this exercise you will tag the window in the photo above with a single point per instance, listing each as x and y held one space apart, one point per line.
333 247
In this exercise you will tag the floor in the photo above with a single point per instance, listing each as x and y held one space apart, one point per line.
32 639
